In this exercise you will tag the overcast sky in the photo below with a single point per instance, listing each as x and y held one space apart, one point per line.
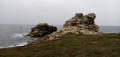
56 12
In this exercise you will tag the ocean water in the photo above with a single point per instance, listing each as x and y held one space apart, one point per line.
109 29
12 35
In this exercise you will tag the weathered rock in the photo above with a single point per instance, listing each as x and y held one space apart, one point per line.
41 30
83 22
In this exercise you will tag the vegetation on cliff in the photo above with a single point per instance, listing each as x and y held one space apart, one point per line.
70 45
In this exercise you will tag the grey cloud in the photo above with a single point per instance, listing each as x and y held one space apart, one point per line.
56 12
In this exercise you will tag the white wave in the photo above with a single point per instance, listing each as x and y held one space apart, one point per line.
22 44
18 35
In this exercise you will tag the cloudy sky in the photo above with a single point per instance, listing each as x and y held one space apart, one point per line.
56 12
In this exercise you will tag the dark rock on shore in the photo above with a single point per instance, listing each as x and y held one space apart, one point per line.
41 30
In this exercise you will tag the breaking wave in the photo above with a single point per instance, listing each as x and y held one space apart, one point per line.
18 35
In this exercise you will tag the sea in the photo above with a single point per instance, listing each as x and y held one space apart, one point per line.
12 35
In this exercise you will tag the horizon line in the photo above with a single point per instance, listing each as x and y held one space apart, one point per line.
52 24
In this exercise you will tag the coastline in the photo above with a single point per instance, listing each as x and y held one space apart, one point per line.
80 45
11 46
28 42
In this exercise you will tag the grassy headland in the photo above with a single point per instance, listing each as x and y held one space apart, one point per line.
70 45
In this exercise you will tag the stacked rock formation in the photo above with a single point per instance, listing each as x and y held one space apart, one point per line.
82 23
78 24
41 30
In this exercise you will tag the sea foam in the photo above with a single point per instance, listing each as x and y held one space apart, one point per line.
16 35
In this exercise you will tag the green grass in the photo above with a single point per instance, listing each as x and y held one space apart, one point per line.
70 45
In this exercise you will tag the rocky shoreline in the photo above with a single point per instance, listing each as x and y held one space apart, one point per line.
78 24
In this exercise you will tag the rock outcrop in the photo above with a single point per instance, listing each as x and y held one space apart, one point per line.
78 24
82 23
41 30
